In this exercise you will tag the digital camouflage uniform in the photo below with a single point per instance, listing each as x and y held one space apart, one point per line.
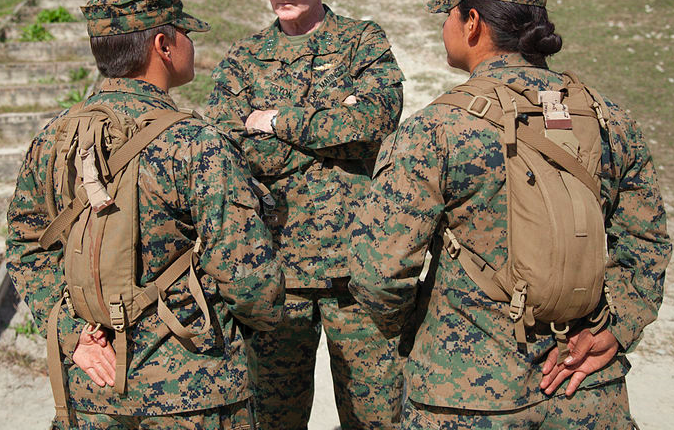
317 166
192 183
465 355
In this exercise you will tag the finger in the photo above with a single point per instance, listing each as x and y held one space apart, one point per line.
574 383
107 372
580 349
109 355
551 361
93 374
547 379
559 379
100 338
85 338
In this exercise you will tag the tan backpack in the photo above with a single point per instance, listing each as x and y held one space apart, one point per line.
94 168
552 143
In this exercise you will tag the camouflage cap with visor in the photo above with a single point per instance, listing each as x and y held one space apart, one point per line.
444 6
110 17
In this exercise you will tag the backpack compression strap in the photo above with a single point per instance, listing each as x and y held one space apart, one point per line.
116 163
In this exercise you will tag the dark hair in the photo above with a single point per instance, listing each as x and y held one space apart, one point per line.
517 28
123 55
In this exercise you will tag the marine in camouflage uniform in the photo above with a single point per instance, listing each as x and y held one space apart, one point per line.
317 163
193 183
464 369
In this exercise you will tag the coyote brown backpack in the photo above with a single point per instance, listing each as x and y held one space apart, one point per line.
94 168
552 144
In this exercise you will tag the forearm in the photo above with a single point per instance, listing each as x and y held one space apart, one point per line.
343 131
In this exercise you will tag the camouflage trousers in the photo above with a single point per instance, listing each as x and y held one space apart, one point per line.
237 416
604 407
366 368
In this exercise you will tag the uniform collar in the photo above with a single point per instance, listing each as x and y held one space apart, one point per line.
500 62
324 40
137 87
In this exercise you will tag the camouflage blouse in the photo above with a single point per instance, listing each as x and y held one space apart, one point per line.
192 182
318 164
444 159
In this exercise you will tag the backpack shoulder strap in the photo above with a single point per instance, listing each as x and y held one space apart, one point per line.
483 107
140 140
115 164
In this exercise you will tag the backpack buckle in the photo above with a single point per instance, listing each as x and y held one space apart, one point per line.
117 317
478 111
517 303
82 196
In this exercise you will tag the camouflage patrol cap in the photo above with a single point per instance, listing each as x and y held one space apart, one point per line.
109 17
444 6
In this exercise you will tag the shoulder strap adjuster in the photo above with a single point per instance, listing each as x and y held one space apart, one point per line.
479 106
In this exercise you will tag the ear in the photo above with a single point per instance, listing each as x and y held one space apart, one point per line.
162 47
473 26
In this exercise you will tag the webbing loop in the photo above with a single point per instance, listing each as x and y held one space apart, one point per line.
92 329
558 332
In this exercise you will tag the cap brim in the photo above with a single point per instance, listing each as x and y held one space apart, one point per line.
190 23
435 6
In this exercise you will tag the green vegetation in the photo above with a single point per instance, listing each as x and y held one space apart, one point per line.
624 49
60 14
35 33
73 97
197 91
230 20
27 328
7 6
46 80
78 74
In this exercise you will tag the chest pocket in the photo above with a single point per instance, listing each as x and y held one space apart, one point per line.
331 81
229 78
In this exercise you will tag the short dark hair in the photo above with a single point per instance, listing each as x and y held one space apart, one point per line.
517 28
123 55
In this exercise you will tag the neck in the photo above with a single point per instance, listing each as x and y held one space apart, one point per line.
306 23
156 74
480 57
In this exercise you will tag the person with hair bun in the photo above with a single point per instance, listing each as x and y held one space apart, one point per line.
443 183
